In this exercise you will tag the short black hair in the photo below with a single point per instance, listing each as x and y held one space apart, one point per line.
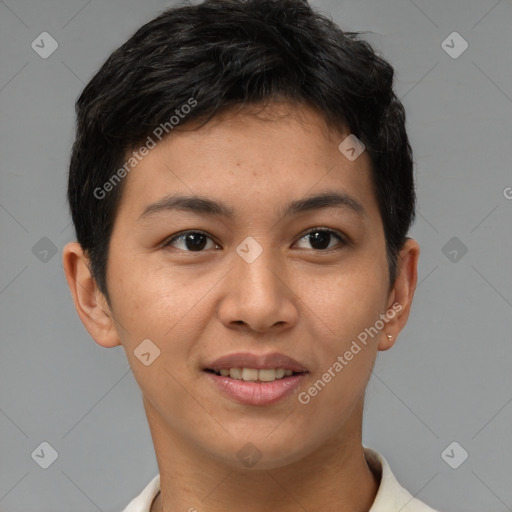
224 54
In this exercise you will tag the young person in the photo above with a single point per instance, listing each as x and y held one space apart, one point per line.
241 186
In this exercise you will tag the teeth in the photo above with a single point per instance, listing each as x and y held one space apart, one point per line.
249 374
235 373
280 373
267 375
253 374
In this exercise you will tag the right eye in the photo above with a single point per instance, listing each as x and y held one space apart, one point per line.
190 241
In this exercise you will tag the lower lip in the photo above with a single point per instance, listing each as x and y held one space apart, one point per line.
257 393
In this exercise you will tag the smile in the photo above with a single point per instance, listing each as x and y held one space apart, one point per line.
256 387
254 374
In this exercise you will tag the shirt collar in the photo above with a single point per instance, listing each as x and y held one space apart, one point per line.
390 495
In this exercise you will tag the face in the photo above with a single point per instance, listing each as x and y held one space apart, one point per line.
256 276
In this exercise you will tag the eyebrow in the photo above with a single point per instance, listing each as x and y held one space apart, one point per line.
206 206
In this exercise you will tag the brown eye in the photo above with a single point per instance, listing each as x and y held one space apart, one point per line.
321 238
191 241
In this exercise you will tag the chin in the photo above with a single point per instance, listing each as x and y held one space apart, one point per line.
260 452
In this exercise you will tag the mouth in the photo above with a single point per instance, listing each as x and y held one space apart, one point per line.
255 374
256 379
246 387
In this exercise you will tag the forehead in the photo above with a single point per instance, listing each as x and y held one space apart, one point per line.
250 159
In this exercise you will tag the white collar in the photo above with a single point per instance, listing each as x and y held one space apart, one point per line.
391 496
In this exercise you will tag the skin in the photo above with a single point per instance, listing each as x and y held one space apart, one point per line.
295 299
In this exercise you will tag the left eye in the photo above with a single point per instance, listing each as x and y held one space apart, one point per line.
319 238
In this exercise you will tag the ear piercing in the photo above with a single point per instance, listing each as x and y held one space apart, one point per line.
390 337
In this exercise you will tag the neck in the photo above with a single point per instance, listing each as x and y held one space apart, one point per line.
336 476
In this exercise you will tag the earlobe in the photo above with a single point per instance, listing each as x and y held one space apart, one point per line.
402 293
90 303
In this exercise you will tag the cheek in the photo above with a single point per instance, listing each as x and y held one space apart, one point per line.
346 302
162 309
169 309
344 355
343 310
153 301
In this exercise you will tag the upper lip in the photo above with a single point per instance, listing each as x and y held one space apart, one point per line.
259 361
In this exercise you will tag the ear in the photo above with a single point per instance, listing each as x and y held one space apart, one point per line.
90 303
402 293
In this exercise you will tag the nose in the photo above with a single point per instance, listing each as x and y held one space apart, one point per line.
258 297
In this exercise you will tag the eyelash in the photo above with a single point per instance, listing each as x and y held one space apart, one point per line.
336 234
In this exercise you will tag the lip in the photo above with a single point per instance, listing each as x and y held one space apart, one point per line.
260 361
256 393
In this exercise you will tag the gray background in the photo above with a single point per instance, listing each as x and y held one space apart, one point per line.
448 377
